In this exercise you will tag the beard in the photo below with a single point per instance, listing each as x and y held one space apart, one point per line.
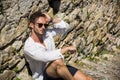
39 33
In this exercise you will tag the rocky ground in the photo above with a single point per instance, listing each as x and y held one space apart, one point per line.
106 67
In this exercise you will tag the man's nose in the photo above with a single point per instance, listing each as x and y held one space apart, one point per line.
43 26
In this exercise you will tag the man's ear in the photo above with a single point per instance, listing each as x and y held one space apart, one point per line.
31 25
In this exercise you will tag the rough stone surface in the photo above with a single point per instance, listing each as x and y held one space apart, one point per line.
95 31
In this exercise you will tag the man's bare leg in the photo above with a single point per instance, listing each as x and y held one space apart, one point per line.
81 76
57 69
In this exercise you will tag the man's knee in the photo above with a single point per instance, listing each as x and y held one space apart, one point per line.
55 68
58 62
59 65
55 64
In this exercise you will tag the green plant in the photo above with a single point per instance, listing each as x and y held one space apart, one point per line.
1 71
67 20
88 15
104 51
17 78
15 69
13 50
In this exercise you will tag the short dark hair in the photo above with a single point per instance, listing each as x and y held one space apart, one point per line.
36 15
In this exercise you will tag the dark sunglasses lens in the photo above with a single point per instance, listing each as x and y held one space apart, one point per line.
40 25
46 25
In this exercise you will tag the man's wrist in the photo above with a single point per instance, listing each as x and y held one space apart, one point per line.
64 50
53 21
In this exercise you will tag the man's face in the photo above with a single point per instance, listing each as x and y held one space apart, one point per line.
39 26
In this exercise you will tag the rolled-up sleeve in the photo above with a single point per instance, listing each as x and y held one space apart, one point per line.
60 28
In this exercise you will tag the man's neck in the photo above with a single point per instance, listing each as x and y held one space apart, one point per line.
37 38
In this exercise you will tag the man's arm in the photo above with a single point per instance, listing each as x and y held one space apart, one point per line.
58 27
47 56
44 56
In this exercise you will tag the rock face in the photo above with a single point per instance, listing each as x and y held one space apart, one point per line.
95 31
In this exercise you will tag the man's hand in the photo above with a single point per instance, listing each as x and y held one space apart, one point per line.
69 48
48 18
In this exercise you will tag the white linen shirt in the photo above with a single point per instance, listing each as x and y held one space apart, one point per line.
38 56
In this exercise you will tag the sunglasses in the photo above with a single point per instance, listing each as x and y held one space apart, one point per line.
41 24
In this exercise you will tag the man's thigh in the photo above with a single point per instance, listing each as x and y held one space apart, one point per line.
52 67
51 73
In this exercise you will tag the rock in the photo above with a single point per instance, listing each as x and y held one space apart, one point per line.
105 1
84 14
17 45
2 20
83 43
88 49
4 57
86 24
21 64
115 49
7 75
91 27
24 6
99 14
90 37
15 60
23 76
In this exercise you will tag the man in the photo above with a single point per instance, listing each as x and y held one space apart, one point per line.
45 61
